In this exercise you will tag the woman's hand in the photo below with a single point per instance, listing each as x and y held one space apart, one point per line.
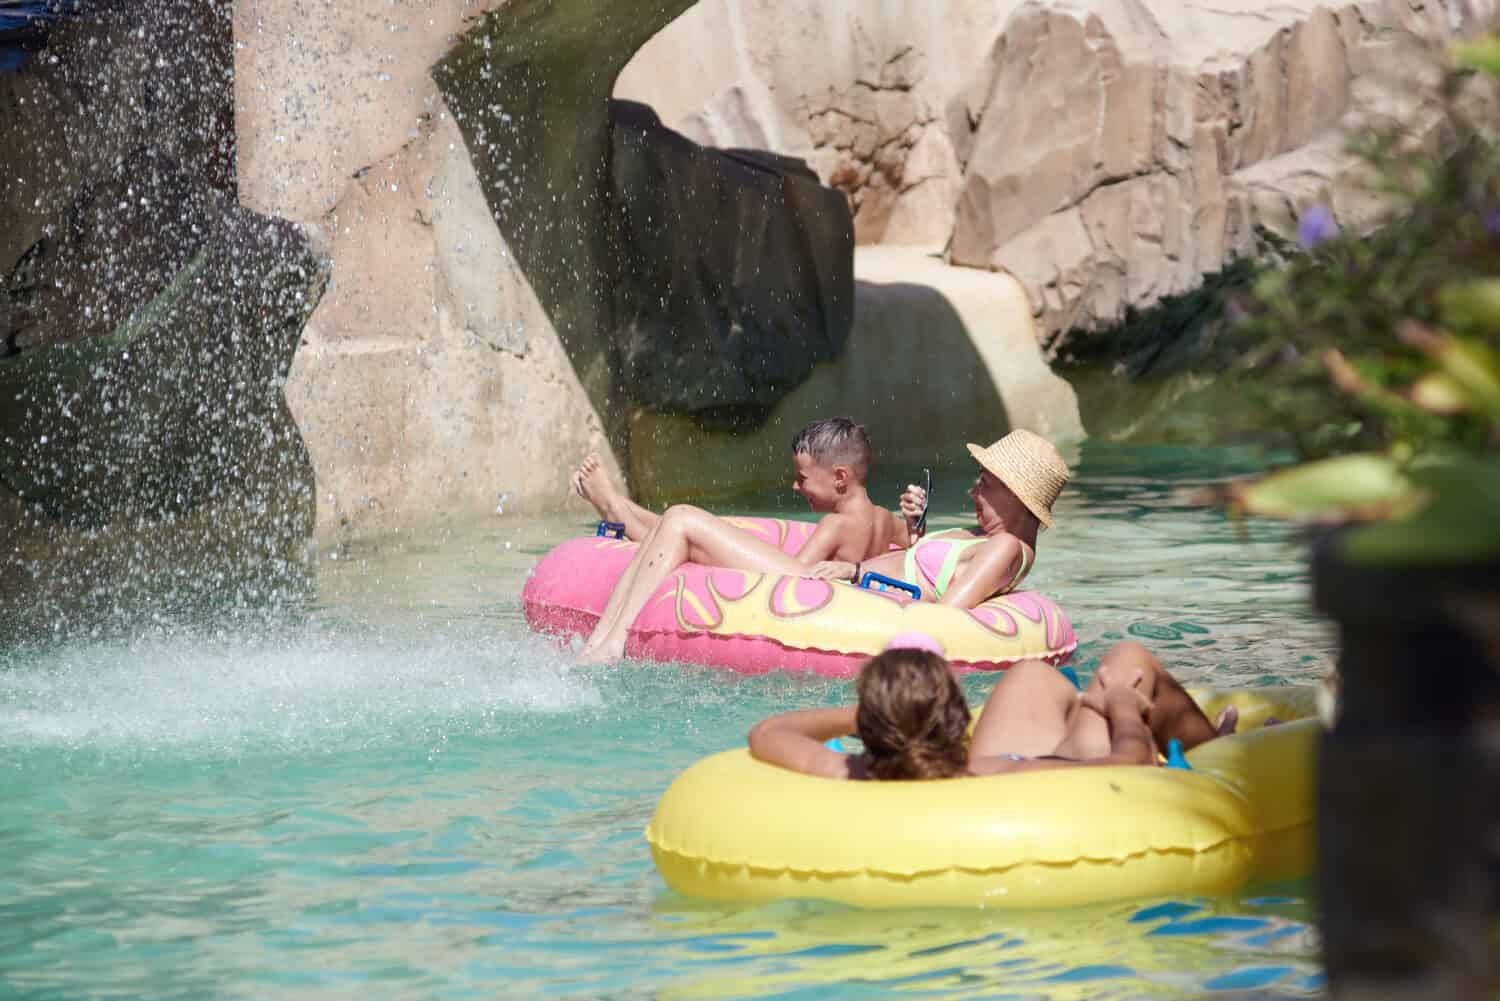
1116 696
1126 707
913 502
832 570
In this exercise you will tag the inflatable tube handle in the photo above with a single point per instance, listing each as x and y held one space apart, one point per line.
884 583
608 528
1175 757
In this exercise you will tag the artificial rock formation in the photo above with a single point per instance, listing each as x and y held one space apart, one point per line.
697 280
937 356
154 328
1154 142
736 271
432 383
859 90
130 73
1106 152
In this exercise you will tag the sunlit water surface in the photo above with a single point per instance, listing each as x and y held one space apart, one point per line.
393 789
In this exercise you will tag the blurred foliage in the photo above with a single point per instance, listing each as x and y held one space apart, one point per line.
1388 346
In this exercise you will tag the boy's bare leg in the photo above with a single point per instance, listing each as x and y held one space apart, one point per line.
684 534
591 482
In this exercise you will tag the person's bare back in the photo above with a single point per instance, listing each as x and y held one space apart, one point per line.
864 531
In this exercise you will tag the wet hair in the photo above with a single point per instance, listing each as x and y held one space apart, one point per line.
836 441
912 716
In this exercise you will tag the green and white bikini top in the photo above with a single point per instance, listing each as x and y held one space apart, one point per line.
933 561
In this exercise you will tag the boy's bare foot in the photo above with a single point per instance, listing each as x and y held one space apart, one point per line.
591 482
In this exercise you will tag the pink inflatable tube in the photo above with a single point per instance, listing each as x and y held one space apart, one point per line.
754 623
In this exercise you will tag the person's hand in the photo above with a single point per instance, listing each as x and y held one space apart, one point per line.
832 570
913 500
1115 694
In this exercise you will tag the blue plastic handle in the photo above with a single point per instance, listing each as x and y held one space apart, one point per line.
880 582
607 528
1175 757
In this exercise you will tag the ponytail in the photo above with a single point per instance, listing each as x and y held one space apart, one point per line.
912 716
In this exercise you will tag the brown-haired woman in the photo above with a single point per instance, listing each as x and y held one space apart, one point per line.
913 720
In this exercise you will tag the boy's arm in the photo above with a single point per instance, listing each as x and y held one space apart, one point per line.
824 542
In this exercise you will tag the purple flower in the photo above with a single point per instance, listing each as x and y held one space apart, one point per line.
1315 226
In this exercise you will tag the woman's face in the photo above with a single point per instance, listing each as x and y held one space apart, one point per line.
994 503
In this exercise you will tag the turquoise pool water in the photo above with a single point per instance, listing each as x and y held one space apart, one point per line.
381 785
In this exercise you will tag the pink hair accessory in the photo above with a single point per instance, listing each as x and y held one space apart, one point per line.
916 641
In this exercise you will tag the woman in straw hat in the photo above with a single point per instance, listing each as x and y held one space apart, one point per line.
1020 477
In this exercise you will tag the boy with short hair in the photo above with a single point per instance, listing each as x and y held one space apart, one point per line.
830 458
830 461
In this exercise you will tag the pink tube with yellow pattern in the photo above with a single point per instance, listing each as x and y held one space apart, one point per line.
755 623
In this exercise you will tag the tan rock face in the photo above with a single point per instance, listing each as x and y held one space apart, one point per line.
857 89
430 382
323 90
1113 152
1106 152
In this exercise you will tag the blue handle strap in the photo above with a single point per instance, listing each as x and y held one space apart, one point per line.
880 582
1175 758
608 528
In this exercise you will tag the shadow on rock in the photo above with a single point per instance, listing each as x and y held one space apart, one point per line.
680 279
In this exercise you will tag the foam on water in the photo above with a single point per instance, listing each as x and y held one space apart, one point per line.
290 689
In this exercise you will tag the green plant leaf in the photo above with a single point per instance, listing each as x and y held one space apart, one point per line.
1460 525
1472 304
1338 489
1437 393
1480 54
1473 366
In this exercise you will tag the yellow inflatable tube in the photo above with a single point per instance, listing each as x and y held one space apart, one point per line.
733 828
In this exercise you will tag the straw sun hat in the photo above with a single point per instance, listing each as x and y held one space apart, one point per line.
1028 464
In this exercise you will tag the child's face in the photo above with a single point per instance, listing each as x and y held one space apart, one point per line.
821 485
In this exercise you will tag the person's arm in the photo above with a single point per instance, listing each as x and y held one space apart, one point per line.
794 740
834 570
824 541
990 568
1127 710
1130 740
913 502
